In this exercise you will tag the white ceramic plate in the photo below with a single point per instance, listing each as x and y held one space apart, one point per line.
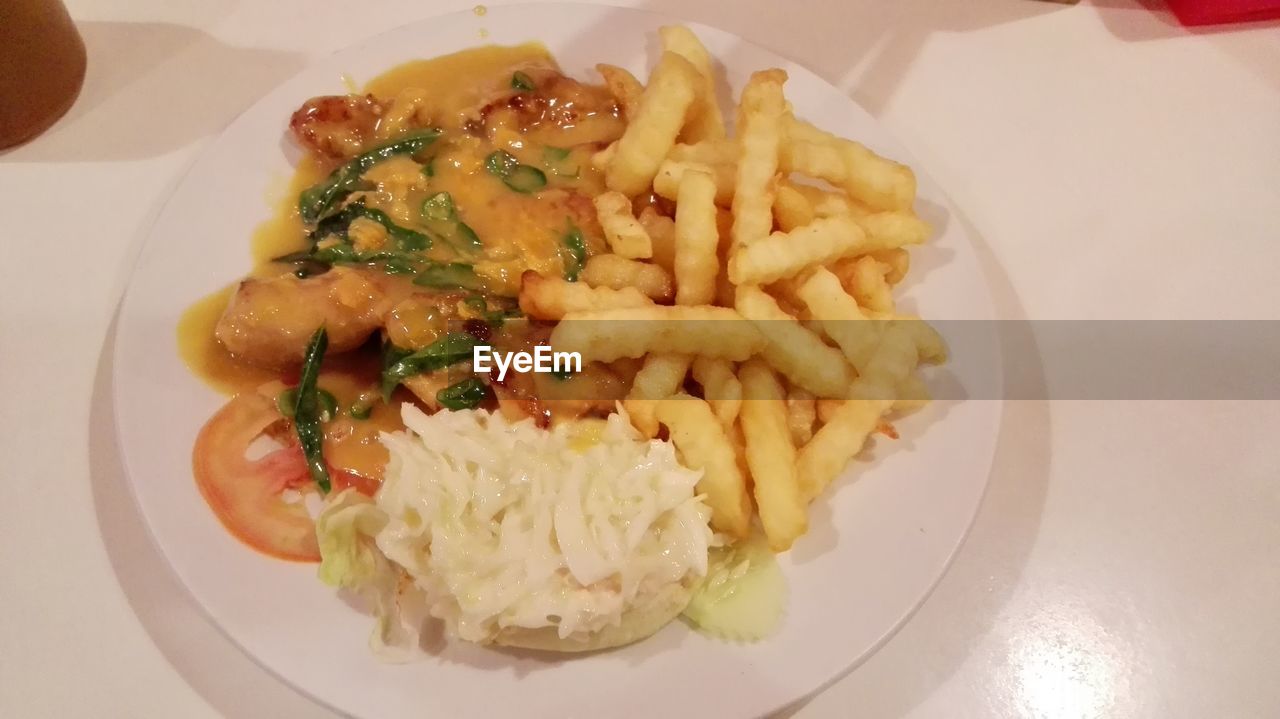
876 548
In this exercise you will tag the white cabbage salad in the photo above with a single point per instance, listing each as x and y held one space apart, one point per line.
502 525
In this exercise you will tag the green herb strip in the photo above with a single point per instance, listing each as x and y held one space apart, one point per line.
576 246
451 349
500 163
317 201
448 275
521 81
525 179
307 411
465 394
439 207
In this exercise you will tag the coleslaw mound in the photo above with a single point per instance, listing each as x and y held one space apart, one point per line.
506 527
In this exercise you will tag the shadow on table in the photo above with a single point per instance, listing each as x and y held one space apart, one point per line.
869 45
210 663
148 91
1144 20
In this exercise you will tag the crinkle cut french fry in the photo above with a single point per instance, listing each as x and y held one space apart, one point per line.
711 152
877 182
893 360
619 273
703 444
603 158
796 352
898 262
720 388
705 121
696 262
771 456
802 412
867 284
791 209
786 254
624 87
912 395
705 331
929 344
840 317
652 132
832 446
659 377
760 112
625 234
885 229
671 172
662 235
551 298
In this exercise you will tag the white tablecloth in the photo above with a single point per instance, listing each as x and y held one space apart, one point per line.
1111 164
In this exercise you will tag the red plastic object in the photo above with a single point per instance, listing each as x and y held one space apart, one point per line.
1214 12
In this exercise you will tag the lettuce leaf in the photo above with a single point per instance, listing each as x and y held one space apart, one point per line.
350 559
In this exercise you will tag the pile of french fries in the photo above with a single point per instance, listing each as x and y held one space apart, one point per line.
771 287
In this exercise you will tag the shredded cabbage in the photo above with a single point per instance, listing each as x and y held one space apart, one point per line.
507 525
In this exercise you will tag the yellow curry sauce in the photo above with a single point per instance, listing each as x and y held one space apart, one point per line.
472 96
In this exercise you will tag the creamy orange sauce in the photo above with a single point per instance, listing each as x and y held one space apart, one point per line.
517 231
205 356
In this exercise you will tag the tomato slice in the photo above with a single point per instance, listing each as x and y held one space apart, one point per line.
245 494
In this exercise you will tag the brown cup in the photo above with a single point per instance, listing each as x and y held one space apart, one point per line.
42 62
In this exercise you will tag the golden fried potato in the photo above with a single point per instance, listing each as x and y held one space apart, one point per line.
796 352
551 298
898 262
671 173
603 158
759 129
711 152
791 209
705 121
626 369
832 446
839 316
618 273
785 254
662 235
802 412
890 364
929 344
720 388
624 87
607 335
771 456
826 408
659 377
652 131
885 229
703 444
625 234
864 279
696 263
913 395
877 182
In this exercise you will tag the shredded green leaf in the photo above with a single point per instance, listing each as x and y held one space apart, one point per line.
307 410
451 349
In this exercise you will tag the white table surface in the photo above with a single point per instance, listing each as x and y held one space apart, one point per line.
1125 559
